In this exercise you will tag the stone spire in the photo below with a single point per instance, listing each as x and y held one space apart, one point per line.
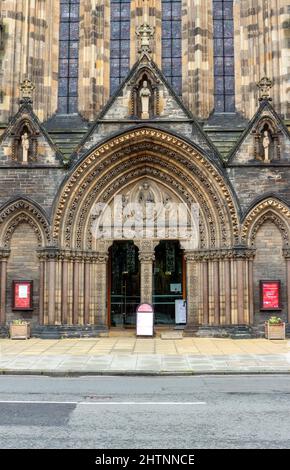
145 32
265 85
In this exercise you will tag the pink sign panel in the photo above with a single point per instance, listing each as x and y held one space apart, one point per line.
145 308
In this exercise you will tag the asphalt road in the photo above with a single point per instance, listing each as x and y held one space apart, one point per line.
152 412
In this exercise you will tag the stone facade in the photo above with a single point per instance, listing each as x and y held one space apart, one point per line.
234 168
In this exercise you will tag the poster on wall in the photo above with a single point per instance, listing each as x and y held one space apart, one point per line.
270 292
22 295
180 312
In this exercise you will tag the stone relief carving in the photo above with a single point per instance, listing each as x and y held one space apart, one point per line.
20 219
275 210
271 216
187 157
34 218
145 99
25 143
267 141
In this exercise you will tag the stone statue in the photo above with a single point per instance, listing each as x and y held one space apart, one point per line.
145 95
266 145
146 195
25 147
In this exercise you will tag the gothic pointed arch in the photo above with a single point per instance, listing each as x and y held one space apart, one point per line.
157 156
22 210
272 209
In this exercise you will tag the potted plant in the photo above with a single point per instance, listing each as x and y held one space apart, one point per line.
275 328
19 329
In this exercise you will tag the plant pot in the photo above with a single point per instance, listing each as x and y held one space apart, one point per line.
275 331
19 331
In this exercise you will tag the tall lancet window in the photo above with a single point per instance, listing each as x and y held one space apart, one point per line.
68 56
224 68
171 43
120 42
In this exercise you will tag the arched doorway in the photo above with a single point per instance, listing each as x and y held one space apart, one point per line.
124 283
168 281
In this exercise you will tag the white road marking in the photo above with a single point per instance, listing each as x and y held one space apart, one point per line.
183 403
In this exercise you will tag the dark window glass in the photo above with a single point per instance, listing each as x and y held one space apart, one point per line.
120 42
171 43
224 69
68 56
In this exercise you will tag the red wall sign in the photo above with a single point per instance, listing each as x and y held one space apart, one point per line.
22 295
270 295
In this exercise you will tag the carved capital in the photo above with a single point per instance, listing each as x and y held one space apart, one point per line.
146 250
4 254
286 253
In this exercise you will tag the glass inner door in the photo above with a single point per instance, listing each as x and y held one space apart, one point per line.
168 281
125 283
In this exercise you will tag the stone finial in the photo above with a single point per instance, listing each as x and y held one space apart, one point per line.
265 85
145 32
26 89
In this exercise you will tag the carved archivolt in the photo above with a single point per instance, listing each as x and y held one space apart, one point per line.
141 153
270 209
23 211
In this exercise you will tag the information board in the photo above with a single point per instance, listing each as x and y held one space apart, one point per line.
180 312
270 295
22 295
145 320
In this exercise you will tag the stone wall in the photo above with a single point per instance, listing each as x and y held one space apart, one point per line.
269 264
40 185
30 49
262 34
23 264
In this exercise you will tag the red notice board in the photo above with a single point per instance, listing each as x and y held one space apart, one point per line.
22 295
270 293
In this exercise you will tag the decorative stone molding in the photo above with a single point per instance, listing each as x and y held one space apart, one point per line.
146 257
94 165
4 254
215 255
15 222
20 211
286 253
275 211
266 123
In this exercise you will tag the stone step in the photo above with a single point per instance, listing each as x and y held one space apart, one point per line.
59 332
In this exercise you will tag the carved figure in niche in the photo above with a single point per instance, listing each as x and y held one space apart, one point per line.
145 194
25 147
145 95
266 146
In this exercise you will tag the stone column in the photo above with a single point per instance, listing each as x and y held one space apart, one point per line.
87 289
101 286
51 257
228 296
286 253
101 260
205 320
75 313
41 287
64 289
4 254
192 287
251 290
146 258
242 255
216 291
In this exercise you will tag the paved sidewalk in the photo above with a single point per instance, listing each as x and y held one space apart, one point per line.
131 356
